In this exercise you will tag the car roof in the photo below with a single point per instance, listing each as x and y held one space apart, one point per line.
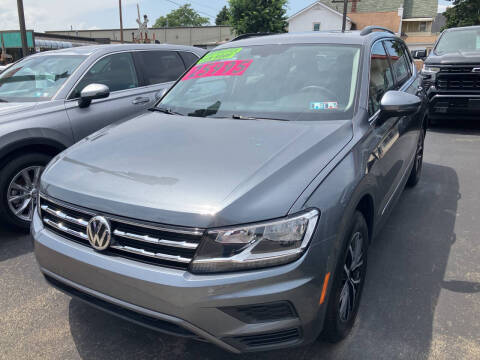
107 48
463 28
319 37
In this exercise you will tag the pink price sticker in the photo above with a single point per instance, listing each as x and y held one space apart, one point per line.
219 68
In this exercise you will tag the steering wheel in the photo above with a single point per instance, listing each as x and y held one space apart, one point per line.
326 91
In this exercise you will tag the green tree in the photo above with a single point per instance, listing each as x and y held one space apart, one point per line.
463 13
252 16
223 17
183 16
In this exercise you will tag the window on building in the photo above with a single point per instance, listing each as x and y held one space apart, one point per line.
381 78
316 27
423 26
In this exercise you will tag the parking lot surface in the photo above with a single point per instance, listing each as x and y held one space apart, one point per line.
421 299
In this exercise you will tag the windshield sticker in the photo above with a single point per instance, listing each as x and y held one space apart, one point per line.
220 55
219 68
328 105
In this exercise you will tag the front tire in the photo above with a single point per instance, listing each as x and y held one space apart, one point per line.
19 180
349 278
416 173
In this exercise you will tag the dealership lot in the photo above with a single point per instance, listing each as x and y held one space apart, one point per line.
421 300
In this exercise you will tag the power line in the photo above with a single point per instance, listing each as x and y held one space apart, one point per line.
201 12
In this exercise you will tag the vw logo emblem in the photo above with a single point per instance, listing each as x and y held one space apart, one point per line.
99 233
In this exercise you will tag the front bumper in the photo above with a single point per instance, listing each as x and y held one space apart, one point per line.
180 303
448 105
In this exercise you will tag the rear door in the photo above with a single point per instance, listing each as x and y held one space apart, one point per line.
126 100
158 70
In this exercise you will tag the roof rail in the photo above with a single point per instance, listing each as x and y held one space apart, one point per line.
369 29
249 35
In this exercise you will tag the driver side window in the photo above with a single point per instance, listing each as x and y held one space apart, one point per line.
117 71
381 77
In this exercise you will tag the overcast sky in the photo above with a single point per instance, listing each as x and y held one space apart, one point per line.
103 14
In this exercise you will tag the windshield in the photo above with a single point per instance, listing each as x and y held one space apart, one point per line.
37 78
284 82
459 40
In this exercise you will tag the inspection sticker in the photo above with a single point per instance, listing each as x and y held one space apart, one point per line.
220 55
218 68
328 105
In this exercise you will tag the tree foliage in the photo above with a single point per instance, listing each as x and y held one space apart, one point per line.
223 17
463 13
253 16
185 15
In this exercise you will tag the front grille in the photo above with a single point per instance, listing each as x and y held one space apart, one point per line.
460 78
267 339
261 313
145 242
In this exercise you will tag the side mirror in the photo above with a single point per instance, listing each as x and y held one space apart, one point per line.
420 54
91 92
161 94
399 103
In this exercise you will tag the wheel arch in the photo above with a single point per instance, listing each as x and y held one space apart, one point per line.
32 144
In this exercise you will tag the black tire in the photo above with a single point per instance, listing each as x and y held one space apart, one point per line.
337 326
7 174
416 172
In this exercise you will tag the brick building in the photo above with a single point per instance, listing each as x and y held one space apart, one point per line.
412 18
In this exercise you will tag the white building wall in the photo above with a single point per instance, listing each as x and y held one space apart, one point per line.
317 14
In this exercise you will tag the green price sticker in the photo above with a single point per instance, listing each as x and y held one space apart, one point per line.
220 55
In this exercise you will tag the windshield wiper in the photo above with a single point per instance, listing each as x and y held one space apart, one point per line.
241 117
164 110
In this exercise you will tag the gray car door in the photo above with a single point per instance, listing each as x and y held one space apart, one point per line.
127 97
397 146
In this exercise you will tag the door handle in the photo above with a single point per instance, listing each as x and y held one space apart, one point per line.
140 100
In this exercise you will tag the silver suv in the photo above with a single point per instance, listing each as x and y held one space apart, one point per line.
241 208
51 100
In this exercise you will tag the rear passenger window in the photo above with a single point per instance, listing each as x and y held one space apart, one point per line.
188 58
381 78
399 58
160 66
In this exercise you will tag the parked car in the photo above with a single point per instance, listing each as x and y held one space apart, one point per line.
240 209
452 74
51 100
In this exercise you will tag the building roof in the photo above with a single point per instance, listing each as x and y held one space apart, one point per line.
314 4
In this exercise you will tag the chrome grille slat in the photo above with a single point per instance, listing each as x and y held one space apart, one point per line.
154 240
160 256
159 245
61 215
62 228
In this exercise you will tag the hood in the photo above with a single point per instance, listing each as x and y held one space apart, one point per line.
457 58
193 171
8 108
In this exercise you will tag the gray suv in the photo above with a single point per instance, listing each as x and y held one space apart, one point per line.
241 208
51 100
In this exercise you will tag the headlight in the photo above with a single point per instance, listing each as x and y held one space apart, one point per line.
430 69
255 246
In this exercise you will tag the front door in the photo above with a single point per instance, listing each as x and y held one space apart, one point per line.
127 98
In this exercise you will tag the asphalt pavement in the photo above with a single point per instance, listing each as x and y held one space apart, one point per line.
421 299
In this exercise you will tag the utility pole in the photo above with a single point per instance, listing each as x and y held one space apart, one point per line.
345 9
23 32
121 21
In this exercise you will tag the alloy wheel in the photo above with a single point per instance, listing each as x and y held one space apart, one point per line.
22 192
352 277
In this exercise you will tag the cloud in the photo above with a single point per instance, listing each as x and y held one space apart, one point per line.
53 14
442 8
